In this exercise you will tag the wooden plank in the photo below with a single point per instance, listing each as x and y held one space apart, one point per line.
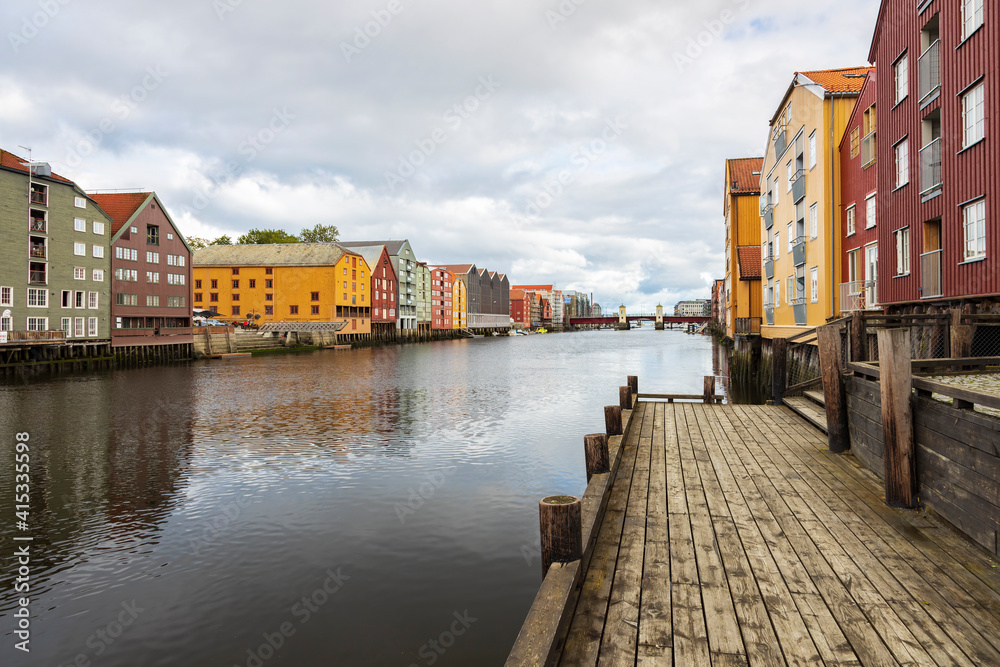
690 635
897 417
835 401
960 393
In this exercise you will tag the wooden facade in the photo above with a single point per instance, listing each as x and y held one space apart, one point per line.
947 59
741 291
442 294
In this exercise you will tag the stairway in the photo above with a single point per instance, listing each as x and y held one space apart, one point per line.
811 406
248 341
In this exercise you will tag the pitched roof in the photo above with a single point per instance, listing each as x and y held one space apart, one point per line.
841 80
458 269
121 206
516 294
533 288
11 161
393 247
275 254
371 253
749 258
741 174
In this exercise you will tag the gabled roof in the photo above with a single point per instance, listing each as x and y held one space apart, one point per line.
458 269
841 80
859 110
743 180
877 35
372 254
749 259
533 288
393 247
121 206
10 161
275 254
516 294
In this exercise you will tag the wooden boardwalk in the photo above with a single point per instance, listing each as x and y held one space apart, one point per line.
731 537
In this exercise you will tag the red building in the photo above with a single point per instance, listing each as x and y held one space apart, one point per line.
383 289
150 272
858 215
520 309
442 282
938 95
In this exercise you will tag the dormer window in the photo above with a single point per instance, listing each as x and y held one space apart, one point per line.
152 235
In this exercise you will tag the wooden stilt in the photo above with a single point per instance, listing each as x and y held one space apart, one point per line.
559 521
595 447
897 416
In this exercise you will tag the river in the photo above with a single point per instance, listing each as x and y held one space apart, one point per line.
370 507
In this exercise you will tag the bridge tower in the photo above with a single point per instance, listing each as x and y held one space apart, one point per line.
623 324
659 317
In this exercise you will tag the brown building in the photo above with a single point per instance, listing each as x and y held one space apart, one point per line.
150 272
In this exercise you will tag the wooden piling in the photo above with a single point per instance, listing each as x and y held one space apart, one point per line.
709 389
560 525
961 335
832 369
779 364
595 447
613 420
859 338
897 416
633 384
624 398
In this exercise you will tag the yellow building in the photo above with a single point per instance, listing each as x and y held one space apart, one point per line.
459 304
800 200
285 282
741 296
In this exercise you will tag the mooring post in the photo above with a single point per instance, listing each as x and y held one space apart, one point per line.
633 384
613 420
779 364
624 398
560 525
832 369
595 448
859 337
709 390
897 416
961 335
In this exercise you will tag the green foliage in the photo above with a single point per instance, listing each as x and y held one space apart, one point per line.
320 234
222 240
197 242
262 236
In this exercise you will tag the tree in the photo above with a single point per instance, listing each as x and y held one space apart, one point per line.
222 240
320 234
259 236
197 242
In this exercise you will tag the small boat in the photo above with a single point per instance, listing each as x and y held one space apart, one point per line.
541 330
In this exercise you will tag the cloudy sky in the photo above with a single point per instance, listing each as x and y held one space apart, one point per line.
578 142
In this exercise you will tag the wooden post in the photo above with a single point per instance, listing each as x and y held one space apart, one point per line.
559 522
625 398
859 337
633 384
779 363
832 369
613 420
897 416
709 389
961 335
595 447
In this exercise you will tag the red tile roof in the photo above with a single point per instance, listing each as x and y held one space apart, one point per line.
458 269
516 294
842 80
749 256
121 206
12 161
533 288
745 175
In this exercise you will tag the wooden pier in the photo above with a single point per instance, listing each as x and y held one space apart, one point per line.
730 535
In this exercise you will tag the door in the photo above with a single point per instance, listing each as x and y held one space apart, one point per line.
871 276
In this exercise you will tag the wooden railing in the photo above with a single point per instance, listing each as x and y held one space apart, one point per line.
962 398
747 326
150 332
17 337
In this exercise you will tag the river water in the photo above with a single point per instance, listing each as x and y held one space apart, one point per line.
371 507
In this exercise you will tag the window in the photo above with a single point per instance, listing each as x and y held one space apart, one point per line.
152 235
123 299
98 275
268 271
152 299
902 72
197 297
253 283
870 211
134 230
80 249
776 190
268 297
814 220
38 298
79 202
92 298
973 116
6 296
789 171
67 299
197 284
812 149
314 296
269 310
213 296
903 251
79 224
293 310
234 297
152 257
79 273
215 284
130 254
236 284
315 310
92 327
152 276
170 237
175 302
268 283
814 284
236 310
236 271
98 251
78 326
974 222
972 16
855 142
98 227
791 236
66 324
902 163
777 293
38 323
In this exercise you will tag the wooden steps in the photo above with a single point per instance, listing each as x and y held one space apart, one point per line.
231 355
808 410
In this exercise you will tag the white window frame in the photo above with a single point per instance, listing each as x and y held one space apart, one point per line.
93 298
92 327
7 296
902 251
972 17
814 220
98 251
871 209
37 324
152 257
974 230
901 77
812 149
98 275
79 299
791 236
66 324
814 284
789 174
98 227
79 326
901 153
974 115
80 249
79 202
6 323
79 225
40 296
79 273
851 220
777 293
66 298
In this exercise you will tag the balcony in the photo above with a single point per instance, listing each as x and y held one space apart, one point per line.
929 66
37 251
768 268
868 149
930 275
28 337
769 314
780 139
799 186
747 326
38 197
799 251
37 225
768 214
930 168
858 295
799 310
36 277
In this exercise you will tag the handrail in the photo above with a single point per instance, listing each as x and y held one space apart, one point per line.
969 396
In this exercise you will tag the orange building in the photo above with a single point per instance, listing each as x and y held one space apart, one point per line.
285 282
